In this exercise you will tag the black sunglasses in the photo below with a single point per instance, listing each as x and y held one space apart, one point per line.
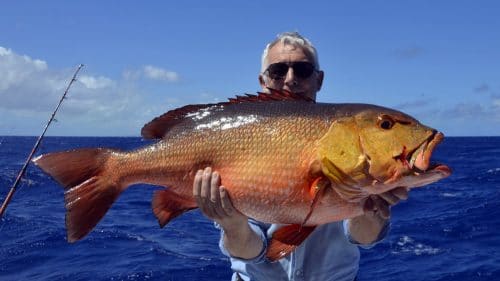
301 69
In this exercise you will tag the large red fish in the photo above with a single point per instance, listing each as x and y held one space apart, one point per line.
282 159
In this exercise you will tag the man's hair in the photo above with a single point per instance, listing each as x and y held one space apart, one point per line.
294 39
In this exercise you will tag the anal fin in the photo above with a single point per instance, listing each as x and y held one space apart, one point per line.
286 239
168 205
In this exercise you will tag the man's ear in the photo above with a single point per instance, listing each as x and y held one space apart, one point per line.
320 77
262 82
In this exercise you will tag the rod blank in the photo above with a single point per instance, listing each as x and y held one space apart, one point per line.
35 147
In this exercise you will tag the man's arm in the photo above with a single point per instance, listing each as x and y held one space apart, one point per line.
214 202
366 229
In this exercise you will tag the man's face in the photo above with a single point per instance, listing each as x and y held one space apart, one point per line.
292 80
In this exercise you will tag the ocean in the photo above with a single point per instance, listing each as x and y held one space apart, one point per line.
445 231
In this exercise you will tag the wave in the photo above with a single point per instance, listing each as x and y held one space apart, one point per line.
493 171
406 244
445 231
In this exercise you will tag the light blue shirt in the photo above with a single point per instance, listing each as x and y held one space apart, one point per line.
329 253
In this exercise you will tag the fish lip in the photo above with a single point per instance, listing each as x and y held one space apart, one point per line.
420 158
441 168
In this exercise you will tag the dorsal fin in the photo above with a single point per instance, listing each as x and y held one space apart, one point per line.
158 127
273 95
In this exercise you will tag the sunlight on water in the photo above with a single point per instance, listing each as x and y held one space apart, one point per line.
496 170
449 194
407 244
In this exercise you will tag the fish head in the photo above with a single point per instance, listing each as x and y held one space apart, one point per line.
381 149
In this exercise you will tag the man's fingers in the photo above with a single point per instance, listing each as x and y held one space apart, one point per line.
214 188
381 204
197 188
205 184
203 199
215 196
369 206
227 205
197 183
212 198
400 192
394 196
390 198
381 207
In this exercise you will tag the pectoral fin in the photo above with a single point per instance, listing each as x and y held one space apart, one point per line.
286 239
316 191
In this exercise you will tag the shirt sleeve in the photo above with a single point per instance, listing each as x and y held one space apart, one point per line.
381 236
260 229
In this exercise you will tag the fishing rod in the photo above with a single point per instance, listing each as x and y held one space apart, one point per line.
35 147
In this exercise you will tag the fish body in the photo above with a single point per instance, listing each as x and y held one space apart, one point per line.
282 159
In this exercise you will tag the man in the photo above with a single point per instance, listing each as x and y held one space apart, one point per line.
330 253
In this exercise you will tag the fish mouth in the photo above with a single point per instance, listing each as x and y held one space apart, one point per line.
418 171
419 160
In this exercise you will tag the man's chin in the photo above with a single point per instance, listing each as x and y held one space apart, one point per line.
297 92
308 95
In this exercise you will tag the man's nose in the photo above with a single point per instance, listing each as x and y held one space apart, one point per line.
290 77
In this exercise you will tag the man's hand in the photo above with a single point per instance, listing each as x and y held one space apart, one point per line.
366 228
214 202
381 204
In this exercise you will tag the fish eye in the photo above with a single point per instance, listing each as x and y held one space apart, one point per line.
385 122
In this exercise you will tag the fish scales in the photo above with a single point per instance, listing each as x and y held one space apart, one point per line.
241 143
282 159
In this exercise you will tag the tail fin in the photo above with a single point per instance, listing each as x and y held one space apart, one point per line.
90 187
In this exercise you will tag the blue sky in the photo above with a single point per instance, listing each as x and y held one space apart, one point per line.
436 60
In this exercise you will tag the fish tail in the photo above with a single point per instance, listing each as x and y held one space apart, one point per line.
90 182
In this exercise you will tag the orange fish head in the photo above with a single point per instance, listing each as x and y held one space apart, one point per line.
398 149
377 149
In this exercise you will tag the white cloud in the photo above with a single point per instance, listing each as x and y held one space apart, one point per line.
29 91
157 73
96 82
15 68
152 73
28 84
131 75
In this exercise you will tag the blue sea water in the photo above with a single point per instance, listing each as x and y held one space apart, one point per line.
445 231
